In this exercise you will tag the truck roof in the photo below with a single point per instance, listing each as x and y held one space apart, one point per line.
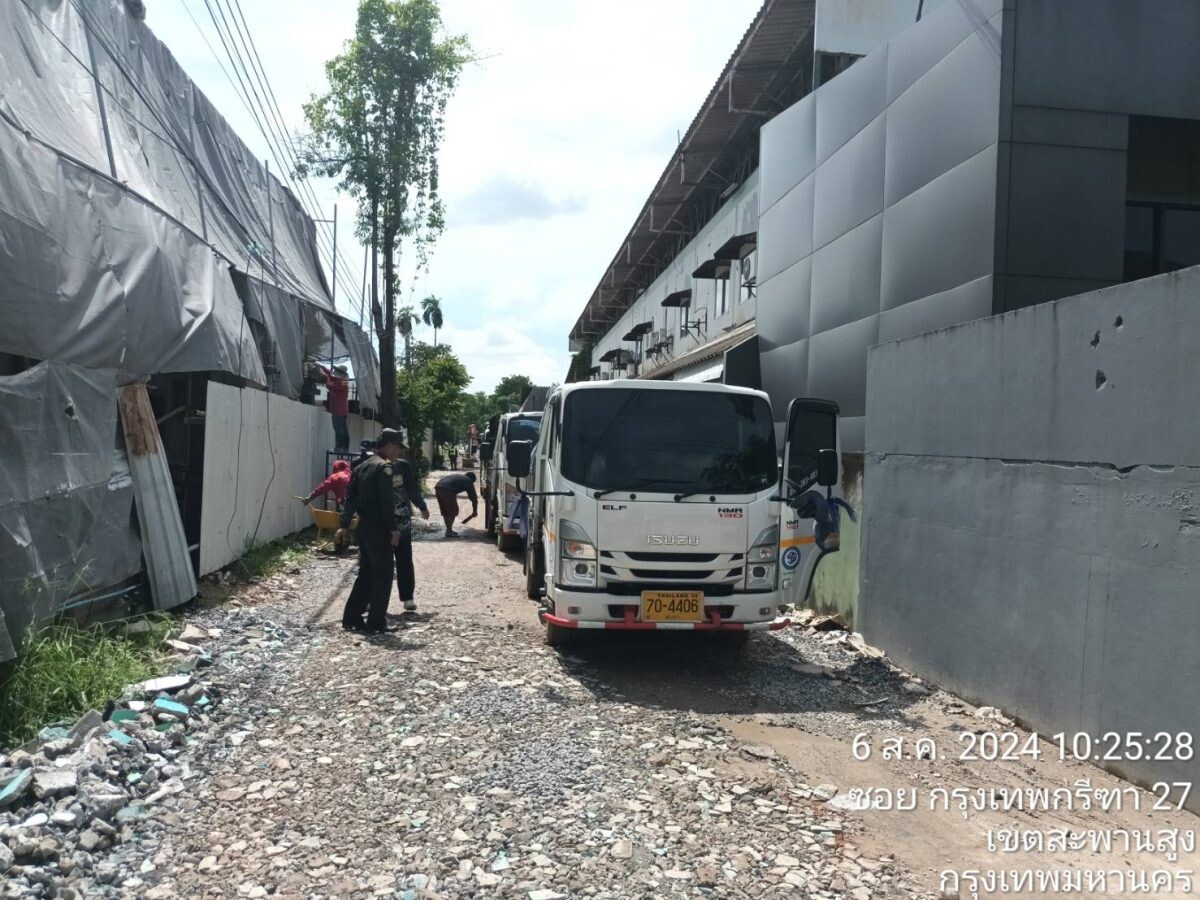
655 385
522 415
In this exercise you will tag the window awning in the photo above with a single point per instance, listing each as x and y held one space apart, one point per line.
737 247
638 331
610 356
712 268
679 298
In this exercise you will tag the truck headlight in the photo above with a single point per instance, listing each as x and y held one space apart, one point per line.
761 560
575 541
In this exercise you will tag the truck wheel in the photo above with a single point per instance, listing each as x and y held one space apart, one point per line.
559 637
534 574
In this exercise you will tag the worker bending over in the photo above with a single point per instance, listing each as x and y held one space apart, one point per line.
447 490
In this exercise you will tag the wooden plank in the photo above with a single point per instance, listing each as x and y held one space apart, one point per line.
164 546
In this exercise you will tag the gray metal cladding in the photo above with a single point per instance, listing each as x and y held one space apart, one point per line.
791 153
943 235
783 305
972 300
894 230
845 278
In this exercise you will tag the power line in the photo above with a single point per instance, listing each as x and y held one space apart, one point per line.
276 140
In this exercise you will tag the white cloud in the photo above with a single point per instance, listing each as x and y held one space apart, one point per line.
567 119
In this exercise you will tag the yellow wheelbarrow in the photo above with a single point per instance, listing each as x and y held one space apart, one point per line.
328 520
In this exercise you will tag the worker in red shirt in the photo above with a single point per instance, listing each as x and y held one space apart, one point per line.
337 484
337 382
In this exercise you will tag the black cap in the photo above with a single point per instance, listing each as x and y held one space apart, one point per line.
390 436
366 445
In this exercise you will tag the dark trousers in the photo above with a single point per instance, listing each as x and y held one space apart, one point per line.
448 505
406 576
341 433
373 586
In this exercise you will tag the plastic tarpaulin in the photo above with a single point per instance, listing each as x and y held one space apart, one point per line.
95 276
65 494
366 368
282 323
167 142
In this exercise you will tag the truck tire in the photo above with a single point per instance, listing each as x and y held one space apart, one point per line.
489 515
505 542
559 637
535 574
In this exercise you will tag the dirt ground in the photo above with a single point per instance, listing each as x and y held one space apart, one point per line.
462 757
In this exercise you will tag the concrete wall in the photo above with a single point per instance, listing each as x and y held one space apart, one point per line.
836 586
877 207
1032 537
261 451
739 215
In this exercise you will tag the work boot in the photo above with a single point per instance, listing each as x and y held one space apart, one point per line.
410 605
451 534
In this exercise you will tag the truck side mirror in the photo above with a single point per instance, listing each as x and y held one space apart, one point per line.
486 451
827 468
519 455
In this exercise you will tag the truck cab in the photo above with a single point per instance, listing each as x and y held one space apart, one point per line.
501 492
664 505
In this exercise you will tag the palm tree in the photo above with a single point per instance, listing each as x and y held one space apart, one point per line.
431 314
406 317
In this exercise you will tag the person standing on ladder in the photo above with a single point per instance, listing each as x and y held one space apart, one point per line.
337 381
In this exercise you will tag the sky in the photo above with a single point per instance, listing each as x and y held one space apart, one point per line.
554 139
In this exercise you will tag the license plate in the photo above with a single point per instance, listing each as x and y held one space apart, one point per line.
672 606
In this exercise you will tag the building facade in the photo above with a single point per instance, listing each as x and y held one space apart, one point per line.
993 155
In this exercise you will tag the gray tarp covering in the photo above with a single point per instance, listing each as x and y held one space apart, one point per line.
283 351
65 496
362 360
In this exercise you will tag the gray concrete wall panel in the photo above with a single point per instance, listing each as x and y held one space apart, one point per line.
939 122
915 51
1066 212
972 300
1099 378
1109 55
845 278
849 187
851 100
942 235
1032 587
787 150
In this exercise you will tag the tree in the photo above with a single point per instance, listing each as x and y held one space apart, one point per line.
431 314
378 130
432 391
511 391
406 318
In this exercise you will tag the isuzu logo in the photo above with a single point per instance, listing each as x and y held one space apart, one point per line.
673 540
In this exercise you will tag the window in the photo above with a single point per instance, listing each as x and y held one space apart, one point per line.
1160 238
1162 213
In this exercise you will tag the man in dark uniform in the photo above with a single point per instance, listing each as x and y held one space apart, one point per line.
372 496
408 493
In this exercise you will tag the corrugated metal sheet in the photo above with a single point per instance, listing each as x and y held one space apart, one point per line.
164 546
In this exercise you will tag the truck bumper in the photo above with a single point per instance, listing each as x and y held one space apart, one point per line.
739 612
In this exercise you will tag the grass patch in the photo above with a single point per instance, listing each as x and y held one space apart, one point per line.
63 671
260 560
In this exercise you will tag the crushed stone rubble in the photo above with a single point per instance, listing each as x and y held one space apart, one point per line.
447 760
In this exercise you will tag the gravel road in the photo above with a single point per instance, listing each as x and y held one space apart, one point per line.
461 757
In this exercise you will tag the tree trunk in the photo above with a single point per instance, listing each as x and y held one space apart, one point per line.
384 327
387 341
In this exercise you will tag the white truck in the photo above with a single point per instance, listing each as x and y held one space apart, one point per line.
500 490
663 505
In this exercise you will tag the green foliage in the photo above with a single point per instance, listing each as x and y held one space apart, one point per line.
378 129
481 406
431 315
63 670
261 559
432 391
511 391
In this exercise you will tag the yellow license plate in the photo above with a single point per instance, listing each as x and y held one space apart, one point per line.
672 606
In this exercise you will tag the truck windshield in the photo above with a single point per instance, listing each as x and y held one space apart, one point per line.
684 441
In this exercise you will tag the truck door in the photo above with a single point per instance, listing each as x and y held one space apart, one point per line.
812 427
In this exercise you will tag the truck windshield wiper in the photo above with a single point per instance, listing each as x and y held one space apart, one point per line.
722 489
641 482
